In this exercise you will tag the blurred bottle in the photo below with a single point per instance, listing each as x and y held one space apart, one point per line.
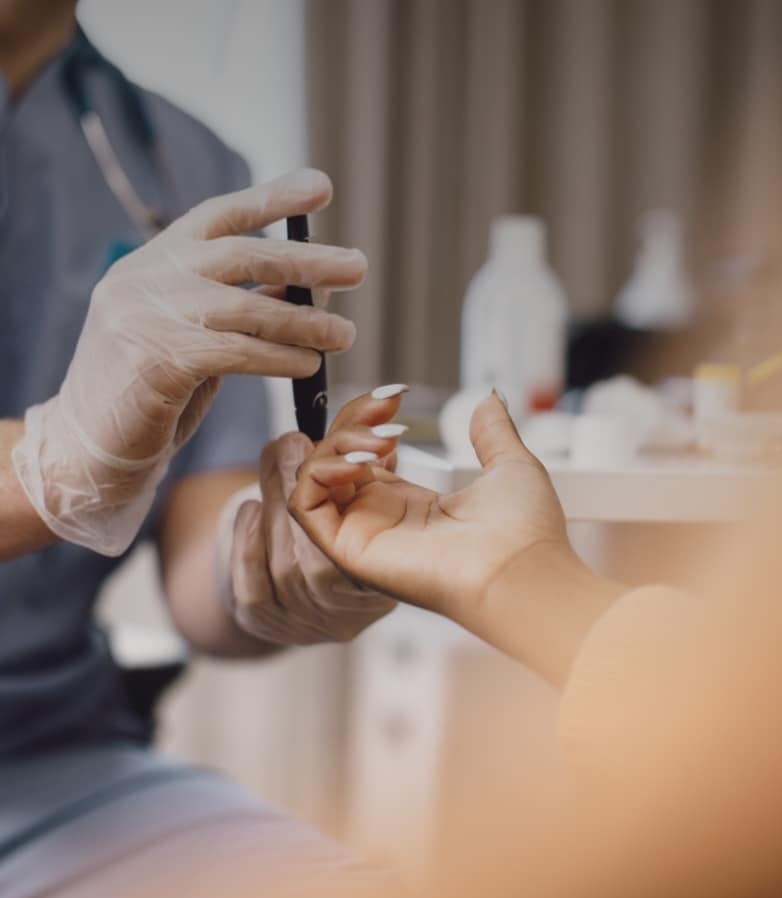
659 295
514 319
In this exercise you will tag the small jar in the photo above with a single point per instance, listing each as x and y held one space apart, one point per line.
716 392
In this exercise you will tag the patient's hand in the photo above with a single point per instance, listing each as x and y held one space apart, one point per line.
440 552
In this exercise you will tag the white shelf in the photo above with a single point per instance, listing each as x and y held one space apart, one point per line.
651 489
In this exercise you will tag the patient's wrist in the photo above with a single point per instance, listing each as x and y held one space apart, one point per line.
540 607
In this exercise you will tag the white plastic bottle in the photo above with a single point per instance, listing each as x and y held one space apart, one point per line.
659 293
514 319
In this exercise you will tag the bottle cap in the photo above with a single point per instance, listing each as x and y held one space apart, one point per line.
520 236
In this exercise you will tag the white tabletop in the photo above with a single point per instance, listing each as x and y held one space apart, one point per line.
674 489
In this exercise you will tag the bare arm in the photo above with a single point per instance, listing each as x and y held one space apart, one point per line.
21 530
188 564
664 775
541 608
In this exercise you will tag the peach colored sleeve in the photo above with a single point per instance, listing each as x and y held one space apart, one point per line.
671 738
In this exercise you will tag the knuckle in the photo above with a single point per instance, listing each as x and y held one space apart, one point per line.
328 331
201 212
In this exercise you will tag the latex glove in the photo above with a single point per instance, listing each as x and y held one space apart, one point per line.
439 552
162 327
278 585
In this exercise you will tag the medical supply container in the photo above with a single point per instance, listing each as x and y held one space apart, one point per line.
514 319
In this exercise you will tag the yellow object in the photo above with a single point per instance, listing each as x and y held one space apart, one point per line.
712 371
765 370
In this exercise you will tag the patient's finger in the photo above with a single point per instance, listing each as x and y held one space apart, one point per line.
390 461
377 407
323 484
380 440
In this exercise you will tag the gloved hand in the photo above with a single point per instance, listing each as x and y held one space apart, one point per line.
277 584
162 327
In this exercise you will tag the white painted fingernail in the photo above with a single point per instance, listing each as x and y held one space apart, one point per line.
360 457
389 431
389 390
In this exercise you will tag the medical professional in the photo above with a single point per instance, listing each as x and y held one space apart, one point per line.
125 320
663 778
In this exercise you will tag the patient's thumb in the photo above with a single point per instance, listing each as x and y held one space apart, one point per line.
493 434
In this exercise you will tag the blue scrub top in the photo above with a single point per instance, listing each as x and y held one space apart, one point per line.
59 223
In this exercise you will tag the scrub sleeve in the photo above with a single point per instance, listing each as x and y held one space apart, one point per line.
122 821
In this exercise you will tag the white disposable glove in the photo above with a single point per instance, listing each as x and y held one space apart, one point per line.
162 327
276 583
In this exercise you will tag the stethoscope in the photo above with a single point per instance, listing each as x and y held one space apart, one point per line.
150 221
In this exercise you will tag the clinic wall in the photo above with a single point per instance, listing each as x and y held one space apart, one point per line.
434 116
238 65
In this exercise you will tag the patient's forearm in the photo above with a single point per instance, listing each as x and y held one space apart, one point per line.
540 608
21 530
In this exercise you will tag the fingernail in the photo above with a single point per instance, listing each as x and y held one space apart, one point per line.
389 431
389 390
360 457
501 396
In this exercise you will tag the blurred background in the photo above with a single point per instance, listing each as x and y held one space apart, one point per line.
433 117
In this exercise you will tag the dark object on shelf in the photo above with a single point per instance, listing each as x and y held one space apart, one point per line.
604 348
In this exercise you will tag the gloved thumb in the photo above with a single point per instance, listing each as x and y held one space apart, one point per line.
283 458
248 555
494 436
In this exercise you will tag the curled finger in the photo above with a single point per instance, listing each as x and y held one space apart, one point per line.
380 440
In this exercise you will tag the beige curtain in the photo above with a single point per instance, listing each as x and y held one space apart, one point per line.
433 116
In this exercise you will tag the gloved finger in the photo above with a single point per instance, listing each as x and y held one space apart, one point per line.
284 458
276 291
286 455
282 560
371 409
321 297
296 193
258 260
239 354
248 555
248 312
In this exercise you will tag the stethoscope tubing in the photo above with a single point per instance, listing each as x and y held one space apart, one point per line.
148 221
